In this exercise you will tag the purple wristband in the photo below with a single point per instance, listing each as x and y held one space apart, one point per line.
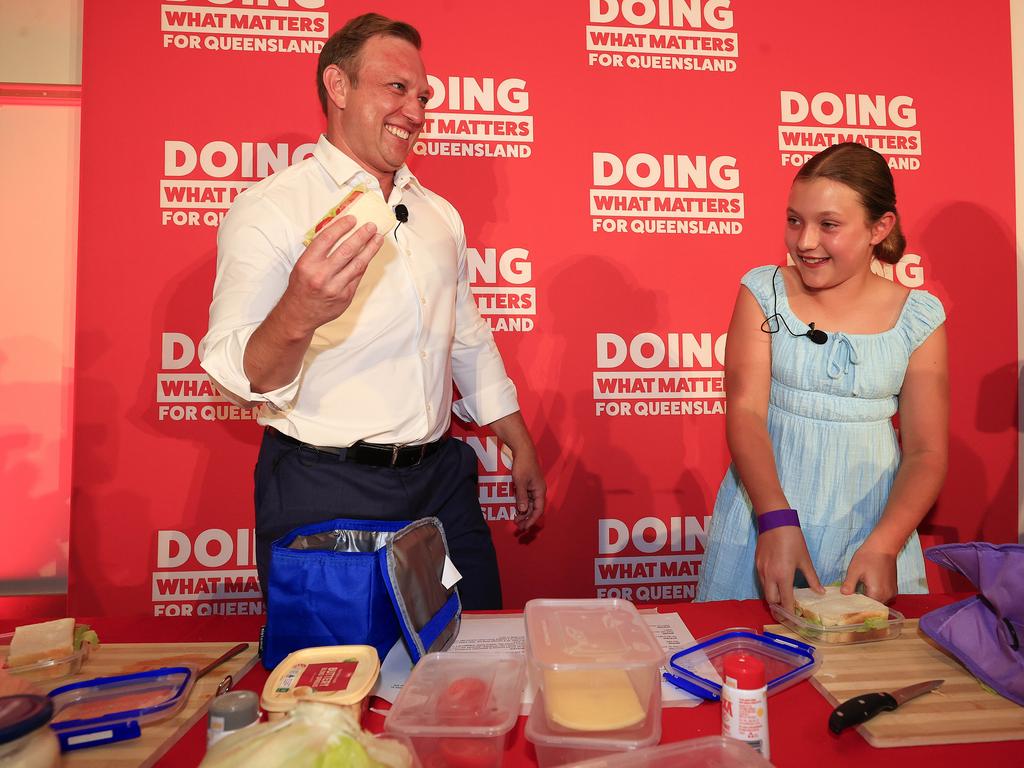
776 519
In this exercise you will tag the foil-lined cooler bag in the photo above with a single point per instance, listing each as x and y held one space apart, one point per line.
985 632
361 582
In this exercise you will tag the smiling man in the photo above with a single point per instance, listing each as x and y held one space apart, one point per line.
350 351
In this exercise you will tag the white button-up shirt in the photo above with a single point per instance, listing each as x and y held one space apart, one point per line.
383 370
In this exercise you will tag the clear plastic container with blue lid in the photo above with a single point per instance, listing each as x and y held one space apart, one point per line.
105 710
697 668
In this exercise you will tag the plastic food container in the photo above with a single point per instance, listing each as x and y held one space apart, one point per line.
25 741
697 668
705 752
331 674
458 709
105 710
50 669
597 663
559 746
846 634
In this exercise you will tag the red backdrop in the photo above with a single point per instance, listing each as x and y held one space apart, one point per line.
619 166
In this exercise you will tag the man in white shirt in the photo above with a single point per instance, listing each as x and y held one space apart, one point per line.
351 354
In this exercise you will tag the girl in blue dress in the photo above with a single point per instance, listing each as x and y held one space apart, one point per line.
821 355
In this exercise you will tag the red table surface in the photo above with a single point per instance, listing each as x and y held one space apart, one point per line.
797 716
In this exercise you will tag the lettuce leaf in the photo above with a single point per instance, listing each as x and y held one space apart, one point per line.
85 634
347 753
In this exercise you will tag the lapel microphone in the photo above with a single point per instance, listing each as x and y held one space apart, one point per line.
818 337
402 214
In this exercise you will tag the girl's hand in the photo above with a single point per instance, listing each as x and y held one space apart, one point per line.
780 553
876 570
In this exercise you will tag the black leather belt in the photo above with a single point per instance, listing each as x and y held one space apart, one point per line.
374 454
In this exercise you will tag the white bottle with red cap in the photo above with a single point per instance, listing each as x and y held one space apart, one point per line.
745 701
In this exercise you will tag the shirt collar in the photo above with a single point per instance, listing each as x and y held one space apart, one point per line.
346 172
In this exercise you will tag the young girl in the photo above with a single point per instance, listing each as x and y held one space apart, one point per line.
820 356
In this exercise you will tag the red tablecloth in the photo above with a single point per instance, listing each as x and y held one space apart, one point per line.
797 716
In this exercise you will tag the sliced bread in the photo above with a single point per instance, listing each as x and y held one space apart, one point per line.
41 642
834 609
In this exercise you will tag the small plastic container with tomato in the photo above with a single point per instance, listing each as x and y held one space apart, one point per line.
458 708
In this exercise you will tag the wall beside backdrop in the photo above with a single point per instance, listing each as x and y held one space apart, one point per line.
619 165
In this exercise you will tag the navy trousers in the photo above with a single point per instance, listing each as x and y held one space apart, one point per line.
296 486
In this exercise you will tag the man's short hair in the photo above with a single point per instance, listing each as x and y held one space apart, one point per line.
346 45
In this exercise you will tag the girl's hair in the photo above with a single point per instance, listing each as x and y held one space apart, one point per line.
865 172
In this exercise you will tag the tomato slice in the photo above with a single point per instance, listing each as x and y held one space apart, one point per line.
470 753
464 697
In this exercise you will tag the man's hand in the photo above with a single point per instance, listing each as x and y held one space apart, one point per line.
875 569
531 488
322 284
526 473
780 553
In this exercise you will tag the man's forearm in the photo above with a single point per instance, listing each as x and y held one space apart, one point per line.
512 431
273 357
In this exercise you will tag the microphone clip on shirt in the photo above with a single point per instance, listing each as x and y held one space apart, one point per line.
402 214
815 335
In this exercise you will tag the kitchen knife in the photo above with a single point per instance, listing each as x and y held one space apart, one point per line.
862 708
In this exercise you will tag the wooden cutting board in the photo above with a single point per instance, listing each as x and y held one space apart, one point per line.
960 711
157 738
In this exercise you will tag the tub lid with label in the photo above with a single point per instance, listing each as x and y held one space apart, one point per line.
330 674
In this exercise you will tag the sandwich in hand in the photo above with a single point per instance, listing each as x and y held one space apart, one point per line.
843 618
365 205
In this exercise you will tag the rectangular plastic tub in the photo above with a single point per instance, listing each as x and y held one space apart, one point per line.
697 668
559 746
597 664
50 669
457 709
105 710
705 752
332 674
847 634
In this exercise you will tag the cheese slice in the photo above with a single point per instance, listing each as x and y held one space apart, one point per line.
592 700
41 642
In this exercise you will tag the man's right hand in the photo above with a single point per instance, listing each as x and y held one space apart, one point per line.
323 283
780 553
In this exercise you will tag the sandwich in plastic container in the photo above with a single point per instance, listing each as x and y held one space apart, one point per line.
57 659
838 619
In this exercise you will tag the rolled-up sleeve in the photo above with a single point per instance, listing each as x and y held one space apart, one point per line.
487 392
253 266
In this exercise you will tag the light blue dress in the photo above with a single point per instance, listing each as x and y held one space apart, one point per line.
829 418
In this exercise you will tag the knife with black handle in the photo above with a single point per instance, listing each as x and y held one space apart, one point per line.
862 708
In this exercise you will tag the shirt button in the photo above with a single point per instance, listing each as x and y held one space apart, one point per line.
408 252
429 407
423 355
423 300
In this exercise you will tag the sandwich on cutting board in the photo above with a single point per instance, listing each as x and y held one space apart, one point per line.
865 617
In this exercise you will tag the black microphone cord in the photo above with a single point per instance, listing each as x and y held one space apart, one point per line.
818 337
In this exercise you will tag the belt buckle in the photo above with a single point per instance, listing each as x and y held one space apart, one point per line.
394 453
